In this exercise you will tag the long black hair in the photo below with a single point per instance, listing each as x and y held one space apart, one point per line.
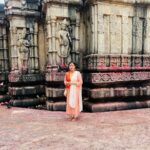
75 64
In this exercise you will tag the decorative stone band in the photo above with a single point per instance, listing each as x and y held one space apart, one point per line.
117 92
116 62
55 76
28 90
110 77
122 1
64 1
14 78
54 92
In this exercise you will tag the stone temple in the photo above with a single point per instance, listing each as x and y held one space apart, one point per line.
108 39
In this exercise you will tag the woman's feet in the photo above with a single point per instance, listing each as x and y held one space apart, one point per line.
74 118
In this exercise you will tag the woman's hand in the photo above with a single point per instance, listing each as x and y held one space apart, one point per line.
67 83
73 83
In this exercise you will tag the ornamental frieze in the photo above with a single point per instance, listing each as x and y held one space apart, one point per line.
108 77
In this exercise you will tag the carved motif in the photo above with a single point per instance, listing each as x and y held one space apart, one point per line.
96 78
23 49
65 42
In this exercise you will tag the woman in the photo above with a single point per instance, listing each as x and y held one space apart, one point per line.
73 82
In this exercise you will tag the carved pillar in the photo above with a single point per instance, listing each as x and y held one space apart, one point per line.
73 51
113 31
77 42
4 63
49 42
147 32
5 45
92 30
36 55
95 11
14 53
53 27
100 31
125 35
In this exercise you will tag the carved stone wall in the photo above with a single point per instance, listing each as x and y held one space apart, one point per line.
26 80
117 57
63 43
4 60
108 39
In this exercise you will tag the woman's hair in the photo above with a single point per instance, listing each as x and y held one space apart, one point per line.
76 66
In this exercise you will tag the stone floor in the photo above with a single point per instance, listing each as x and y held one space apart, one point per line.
29 129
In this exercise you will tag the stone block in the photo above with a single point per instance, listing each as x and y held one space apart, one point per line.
56 106
113 106
54 92
17 78
59 106
26 90
28 102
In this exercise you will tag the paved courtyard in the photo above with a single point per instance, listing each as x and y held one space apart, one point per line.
29 129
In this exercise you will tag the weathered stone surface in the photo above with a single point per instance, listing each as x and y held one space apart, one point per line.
24 129
27 102
25 78
27 90
115 92
115 106
56 106
54 76
110 77
54 92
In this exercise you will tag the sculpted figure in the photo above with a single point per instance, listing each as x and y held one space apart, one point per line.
23 45
64 40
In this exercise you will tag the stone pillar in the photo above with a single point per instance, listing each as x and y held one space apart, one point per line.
49 42
14 53
113 31
4 63
125 35
100 31
92 30
53 27
95 11
147 32
36 46
77 37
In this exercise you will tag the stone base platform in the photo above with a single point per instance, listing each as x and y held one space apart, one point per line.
113 106
4 98
29 102
56 106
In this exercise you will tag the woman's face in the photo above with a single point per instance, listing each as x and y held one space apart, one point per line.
72 67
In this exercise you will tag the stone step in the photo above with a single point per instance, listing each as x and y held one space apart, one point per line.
56 106
114 106
28 102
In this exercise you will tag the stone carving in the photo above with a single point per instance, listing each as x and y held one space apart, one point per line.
23 49
24 4
65 42
99 78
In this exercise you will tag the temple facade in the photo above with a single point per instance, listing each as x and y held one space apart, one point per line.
108 39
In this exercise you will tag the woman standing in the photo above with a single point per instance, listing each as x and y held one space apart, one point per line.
73 82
